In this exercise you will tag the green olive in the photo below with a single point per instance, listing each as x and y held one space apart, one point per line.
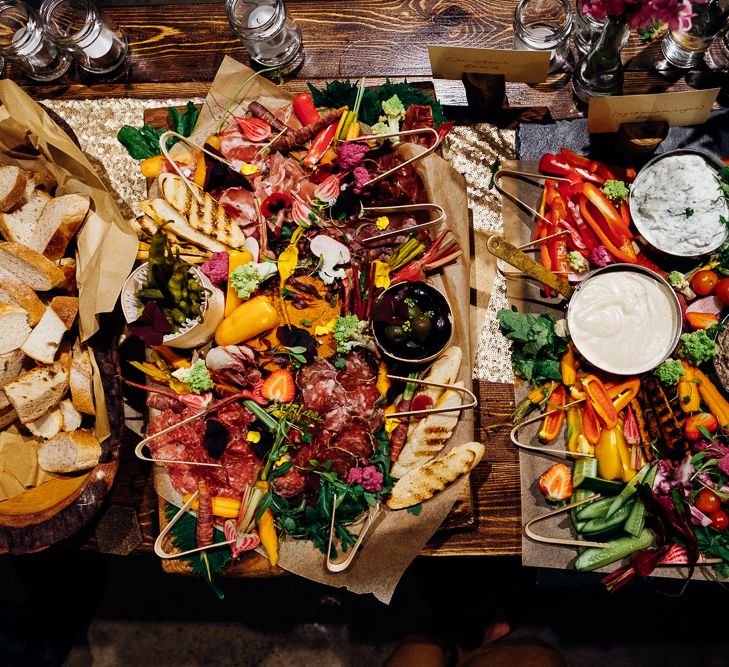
421 326
414 310
395 334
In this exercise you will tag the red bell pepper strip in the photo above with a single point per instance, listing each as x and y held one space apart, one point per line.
588 236
552 424
558 250
320 144
577 160
553 164
604 172
590 424
598 395
305 110
625 213
616 228
544 253
626 252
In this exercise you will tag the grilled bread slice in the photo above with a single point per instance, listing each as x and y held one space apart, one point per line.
161 211
424 482
430 435
208 217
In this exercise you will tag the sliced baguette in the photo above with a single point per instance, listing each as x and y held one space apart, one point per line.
14 327
11 364
47 426
29 267
21 225
430 435
208 217
71 416
7 416
82 392
59 222
424 482
12 291
36 392
71 451
12 186
162 212
43 342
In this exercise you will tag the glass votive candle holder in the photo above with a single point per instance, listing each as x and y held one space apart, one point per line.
96 43
687 49
544 25
24 43
270 36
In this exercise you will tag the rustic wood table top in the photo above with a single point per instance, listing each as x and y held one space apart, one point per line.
175 50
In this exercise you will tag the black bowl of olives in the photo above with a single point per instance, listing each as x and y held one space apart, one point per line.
412 322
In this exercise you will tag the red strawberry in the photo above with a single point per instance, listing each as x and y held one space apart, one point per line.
254 129
701 320
556 483
705 419
279 386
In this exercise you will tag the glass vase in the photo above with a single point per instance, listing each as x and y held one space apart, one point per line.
600 71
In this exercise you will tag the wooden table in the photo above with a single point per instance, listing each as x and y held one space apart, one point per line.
175 51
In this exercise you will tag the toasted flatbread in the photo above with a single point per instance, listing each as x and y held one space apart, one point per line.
160 211
430 435
423 483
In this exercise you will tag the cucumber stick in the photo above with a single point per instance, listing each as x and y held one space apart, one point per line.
635 522
583 468
594 510
603 524
596 557
577 496
629 491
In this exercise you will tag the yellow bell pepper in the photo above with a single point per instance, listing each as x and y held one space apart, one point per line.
568 367
267 533
628 472
235 259
608 456
198 177
226 508
688 391
574 427
248 320
383 382
214 140
152 166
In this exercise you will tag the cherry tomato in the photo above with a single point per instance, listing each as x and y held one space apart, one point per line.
704 282
719 520
722 291
707 501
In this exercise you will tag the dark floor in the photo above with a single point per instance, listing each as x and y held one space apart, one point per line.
86 609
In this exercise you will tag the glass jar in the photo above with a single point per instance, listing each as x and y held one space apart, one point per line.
270 36
544 25
96 43
687 49
26 45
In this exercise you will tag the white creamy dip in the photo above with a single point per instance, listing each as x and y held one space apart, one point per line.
677 206
624 321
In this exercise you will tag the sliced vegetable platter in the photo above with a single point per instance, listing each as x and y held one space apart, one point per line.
657 476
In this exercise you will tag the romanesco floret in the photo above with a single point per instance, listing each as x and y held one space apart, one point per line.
381 128
677 280
349 333
247 279
615 191
669 372
393 108
196 376
697 347
577 262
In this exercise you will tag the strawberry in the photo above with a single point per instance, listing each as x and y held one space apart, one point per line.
254 129
279 386
705 419
556 483
701 320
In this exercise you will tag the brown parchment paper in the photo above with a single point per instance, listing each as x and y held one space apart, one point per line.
19 467
107 245
397 537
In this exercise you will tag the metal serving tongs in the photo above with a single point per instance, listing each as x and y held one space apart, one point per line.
369 520
559 541
433 411
404 208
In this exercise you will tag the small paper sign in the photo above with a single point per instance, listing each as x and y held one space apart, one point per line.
450 62
690 107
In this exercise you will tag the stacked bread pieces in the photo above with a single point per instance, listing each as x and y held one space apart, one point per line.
45 373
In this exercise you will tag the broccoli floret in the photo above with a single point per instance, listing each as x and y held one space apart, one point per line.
669 372
697 347
677 280
615 191
197 377
349 333
246 279
577 262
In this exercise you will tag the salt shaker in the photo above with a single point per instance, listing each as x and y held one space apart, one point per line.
24 43
78 26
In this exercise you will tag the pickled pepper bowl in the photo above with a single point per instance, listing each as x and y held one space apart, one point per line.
194 332
413 340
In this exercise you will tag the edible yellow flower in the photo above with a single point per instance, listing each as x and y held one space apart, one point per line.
382 274
281 461
254 436
383 222
287 262
323 330
247 169
391 424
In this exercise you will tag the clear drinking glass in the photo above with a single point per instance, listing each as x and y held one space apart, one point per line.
687 49
23 42
269 35
544 25
78 26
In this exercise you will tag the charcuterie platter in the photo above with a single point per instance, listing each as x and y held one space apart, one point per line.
334 380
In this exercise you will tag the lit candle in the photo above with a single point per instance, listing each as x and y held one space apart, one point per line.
26 48
260 16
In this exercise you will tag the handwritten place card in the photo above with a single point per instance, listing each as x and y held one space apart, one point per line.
690 107
451 62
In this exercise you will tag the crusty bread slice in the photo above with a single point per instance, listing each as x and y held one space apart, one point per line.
161 211
29 267
21 225
43 342
12 186
11 364
12 291
14 327
38 180
36 392
59 222
430 435
70 451
424 482
208 217
71 416
81 381
47 426
7 416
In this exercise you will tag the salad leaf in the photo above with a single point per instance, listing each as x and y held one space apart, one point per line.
143 142
714 543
